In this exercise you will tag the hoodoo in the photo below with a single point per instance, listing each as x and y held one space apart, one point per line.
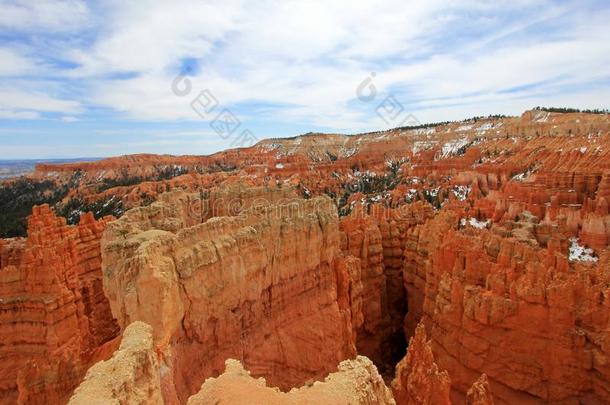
462 263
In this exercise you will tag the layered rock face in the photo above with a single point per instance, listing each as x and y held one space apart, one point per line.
418 379
378 240
492 232
480 392
131 376
362 239
355 382
54 315
497 303
260 286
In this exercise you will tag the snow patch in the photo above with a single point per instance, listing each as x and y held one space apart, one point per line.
453 147
523 175
422 145
475 223
579 253
461 192
542 116
433 192
485 127
424 131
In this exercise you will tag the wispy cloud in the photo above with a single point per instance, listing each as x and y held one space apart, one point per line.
295 64
44 15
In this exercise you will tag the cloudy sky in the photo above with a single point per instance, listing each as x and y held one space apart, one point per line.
112 77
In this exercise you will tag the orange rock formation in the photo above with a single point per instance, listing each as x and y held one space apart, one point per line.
497 303
54 312
260 286
480 392
493 233
418 379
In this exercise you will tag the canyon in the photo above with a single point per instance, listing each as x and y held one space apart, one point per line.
463 262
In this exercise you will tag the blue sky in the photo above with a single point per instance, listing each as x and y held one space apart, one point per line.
95 78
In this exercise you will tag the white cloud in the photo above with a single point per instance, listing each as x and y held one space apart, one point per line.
16 99
15 63
44 15
300 62
150 36
68 119
18 115
311 56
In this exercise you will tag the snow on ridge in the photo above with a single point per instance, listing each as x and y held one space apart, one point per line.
418 146
523 175
542 116
347 152
453 147
424 131
485 127
270 146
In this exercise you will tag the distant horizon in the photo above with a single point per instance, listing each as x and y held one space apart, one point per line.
80 159
92 158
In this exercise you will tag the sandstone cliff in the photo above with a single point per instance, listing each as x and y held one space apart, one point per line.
418 379
55 317
260 286
131 376
493 232
497 303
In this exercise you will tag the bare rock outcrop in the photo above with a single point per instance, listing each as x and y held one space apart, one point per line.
131 376
418 379
480 392
355 382
261 285
496 302
55 319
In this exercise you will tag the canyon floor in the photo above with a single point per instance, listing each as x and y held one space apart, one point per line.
461 262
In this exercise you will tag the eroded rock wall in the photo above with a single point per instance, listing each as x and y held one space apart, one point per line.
495 302
131 376
54 317
260 286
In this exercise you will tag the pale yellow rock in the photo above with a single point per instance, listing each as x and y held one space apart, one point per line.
355 382
131 376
